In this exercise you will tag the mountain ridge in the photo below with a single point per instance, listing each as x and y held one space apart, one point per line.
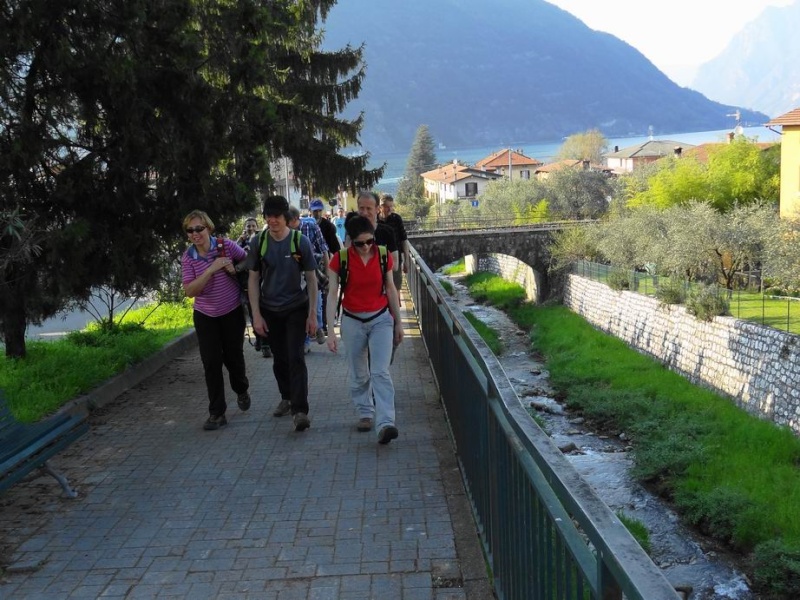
523 71
757 68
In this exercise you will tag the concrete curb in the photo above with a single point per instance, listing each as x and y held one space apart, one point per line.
133 375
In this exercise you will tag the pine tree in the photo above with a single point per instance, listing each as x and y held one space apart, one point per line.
118 118
422 158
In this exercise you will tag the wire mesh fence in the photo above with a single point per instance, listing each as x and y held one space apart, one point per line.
745 300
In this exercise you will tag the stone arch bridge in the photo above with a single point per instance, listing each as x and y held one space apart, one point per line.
528 244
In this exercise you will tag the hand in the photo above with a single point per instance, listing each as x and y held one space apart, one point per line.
405 266
398 334
311 325
260 325
333 343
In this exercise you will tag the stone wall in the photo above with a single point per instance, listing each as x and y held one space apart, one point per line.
756 365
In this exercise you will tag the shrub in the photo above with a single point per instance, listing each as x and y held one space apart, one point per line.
447 286
706 302
619 279
776 570
671 292
716 512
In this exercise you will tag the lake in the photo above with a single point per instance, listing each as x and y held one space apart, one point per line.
546 152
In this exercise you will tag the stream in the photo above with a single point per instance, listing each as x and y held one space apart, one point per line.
692 563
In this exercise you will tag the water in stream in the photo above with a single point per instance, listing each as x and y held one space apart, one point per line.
689 561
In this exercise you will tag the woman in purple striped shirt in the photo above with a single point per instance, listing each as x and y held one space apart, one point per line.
209 277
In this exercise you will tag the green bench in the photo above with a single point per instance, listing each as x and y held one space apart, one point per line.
25 447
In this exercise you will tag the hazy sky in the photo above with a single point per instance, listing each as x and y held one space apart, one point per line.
676 35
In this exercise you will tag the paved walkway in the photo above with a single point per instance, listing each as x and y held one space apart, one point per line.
254 510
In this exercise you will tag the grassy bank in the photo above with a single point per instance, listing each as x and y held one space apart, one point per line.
729 474
55 372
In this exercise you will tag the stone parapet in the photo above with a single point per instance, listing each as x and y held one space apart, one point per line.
758 366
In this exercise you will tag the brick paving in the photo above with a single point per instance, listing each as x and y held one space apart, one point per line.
254 510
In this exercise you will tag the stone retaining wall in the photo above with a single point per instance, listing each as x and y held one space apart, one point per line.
756 365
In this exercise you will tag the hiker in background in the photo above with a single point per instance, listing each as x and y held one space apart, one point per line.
309 228
209 276
250 230
283 295
338 221
370 325
395 221
328 230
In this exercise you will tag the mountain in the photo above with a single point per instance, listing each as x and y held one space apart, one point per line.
759 68
509 71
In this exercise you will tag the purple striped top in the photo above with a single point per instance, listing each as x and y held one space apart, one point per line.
221 294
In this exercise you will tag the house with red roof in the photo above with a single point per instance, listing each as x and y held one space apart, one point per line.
455 181
508 161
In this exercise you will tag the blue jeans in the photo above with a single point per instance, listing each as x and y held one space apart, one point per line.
369 353
319 316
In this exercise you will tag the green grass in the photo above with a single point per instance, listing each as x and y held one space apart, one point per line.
637 530
454 269
447 286
733 476
54 372
486 287
489 335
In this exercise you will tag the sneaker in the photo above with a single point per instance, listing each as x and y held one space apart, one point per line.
387 434
243 400
321 336
266 352
307 348
257 345
215 422
364 424
301 422
283 409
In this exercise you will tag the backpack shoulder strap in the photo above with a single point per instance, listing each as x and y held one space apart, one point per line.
294 244
262 242
384 256
342 276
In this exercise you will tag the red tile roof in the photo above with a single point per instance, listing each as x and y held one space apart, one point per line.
790 118
452 172
500 159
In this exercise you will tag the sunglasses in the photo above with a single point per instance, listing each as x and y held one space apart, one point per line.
198 229
362 243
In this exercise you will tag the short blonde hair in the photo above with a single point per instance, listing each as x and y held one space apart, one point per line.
198 214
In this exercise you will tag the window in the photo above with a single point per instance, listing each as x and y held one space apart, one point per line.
471 189
525 174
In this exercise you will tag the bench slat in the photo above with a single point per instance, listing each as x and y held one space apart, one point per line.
24 447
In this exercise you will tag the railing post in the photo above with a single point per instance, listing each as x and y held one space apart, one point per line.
608 586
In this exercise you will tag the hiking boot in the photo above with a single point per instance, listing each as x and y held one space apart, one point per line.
215 422
283 409
243 400
266 352
302 422
321 335
387 434
364 424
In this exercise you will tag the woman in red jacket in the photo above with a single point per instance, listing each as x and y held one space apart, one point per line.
370 327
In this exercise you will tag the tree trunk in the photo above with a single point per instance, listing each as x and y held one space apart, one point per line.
14 325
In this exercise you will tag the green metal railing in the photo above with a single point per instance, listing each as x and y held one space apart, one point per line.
545 532
745 301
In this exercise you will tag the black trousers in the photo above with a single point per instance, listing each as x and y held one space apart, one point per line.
287 335
220 340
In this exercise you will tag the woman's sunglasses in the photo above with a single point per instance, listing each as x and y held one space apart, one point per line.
362 243
198 229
